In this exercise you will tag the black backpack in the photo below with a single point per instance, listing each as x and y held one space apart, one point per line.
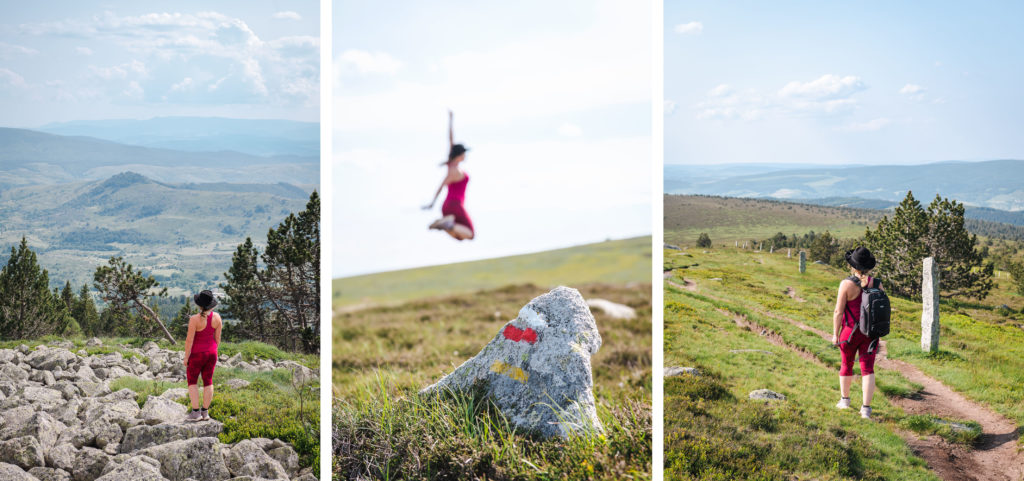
874 312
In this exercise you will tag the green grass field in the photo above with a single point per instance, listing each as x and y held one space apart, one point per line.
981 356
384 354
616 261
728 219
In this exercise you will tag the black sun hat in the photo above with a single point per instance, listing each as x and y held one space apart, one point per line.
205 299
457 150
860 259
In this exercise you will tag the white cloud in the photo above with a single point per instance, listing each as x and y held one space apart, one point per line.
12 78
186 84
913 92
869 126
9 50
827 86
689 28
364 62
287 15
826 95
134 90
83 51
570 130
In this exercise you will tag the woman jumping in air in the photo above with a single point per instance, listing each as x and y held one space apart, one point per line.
455 220
848 337
201 353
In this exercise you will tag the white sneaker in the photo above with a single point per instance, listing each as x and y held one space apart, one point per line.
844 403
444 223
865 412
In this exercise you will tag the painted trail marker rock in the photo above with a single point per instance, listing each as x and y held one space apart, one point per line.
537 368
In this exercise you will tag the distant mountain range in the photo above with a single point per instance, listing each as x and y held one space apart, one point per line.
183 233
994 189
202 134
29 157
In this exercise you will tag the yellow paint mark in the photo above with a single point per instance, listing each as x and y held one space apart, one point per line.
510 371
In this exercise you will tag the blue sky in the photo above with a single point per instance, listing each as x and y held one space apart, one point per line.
70 60
843 82
552 98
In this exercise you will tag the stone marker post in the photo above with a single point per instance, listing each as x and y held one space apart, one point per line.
789 253
803 262
771 250
930 305
736 243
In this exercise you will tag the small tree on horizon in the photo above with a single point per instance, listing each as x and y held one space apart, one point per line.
824 248
125 290
704 240
84 311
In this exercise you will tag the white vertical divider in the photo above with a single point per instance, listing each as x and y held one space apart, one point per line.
326 237
657 236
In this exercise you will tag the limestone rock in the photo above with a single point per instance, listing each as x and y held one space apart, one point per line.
12 373
62 457
247 459
681 371
144 436
93 342
198 458
138 468
24 452
50 358
158 410
537 368
766 395
10 472
236 383
287 457
175 393
89 464
49 474
612 309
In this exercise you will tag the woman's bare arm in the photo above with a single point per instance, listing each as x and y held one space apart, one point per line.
451 129
837 315
220 326
448 179
189 339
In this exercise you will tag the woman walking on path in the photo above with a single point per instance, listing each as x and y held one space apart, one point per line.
201 353
455 220
846 334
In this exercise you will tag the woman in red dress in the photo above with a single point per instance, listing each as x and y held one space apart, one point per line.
455 220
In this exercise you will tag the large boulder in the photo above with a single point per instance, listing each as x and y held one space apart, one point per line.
39 425
112 409
42 395
49 359
12 373
159 410
62 456
201 459
49 474
138 468
144 436
248 459
287 457
24 452
93 342
537 368
89 464
10 472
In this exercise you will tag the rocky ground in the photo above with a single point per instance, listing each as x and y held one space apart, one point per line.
60 421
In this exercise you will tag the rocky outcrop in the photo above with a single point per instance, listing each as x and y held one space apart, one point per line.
537 368
60 421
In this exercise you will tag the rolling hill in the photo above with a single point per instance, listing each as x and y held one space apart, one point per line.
995 183
29 157
182 233
616 261
262 137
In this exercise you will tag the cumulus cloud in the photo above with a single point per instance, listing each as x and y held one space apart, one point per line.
9 50
11 78
212 49
83 51
364 62
826 95
689 28
287 15
913 91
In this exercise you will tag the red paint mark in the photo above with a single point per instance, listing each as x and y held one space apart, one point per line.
513 333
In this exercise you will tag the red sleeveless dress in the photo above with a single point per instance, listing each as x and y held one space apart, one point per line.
203 358
453 202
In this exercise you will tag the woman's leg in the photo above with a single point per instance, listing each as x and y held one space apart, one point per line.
461 232
868 385
207 395
844 385
867 372
193 395
846 357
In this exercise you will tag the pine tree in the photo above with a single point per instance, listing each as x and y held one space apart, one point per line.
824 248
28 309
901 243
898 246
68 296
963 270
125 290
245 302
704 240
84 311
1017 273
